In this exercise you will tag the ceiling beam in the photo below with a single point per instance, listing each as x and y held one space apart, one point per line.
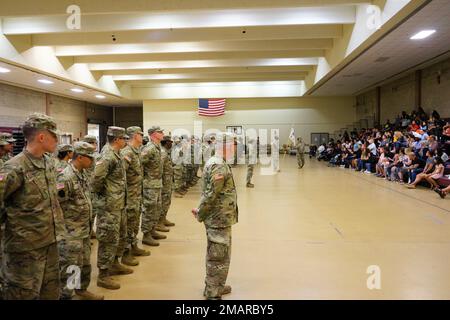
214 76
176 56
188 35
204 64
53 7
211 46
304 68
106 22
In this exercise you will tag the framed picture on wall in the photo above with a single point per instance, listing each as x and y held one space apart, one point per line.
235 129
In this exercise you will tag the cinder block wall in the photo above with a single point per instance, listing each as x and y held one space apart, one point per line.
71 115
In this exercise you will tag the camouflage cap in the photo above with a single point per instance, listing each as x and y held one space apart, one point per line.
3 141
43 122
176 139
154 129
8 137
167 138
117 132
134 130
84 149
65 148
90 139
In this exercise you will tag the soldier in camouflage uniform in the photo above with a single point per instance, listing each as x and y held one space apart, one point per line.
65 154
89 172
33 218
218 210
153 169
74 194
134 170
300 148
251 161
110 185
6 147
167 181
178 169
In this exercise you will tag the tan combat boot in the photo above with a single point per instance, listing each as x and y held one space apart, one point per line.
250 185
87 295
177 194
156 235
161 227
226 290
104 280
138 252
167 223
149 240
129 260
119 269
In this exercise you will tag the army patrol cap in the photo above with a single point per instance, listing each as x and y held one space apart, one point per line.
64 148
3 141
90 139
176 139
84 149
167 138
42 122
117 132
155 129
134 130
8 137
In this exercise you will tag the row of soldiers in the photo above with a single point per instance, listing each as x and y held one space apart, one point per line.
48 207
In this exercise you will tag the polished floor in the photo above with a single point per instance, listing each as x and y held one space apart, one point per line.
308 234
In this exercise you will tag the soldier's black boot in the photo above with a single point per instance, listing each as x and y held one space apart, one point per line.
149 240
129 259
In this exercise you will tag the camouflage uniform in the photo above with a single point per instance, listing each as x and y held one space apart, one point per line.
218 211
177 157
90 176
153 168
60 165
110 185
33 222
300 147
74 195
251 160
135 172
167 181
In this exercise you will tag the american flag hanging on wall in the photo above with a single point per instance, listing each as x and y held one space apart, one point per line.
211 107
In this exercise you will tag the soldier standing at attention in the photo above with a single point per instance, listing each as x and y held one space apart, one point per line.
218 210
167 181
133 166
300 148
178 169
33 218
6 147
65 153
110 185
74 195
153 169
90 174
251 161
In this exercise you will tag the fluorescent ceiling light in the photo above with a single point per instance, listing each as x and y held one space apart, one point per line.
4 70
422 34
76 90
45 81
99 96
